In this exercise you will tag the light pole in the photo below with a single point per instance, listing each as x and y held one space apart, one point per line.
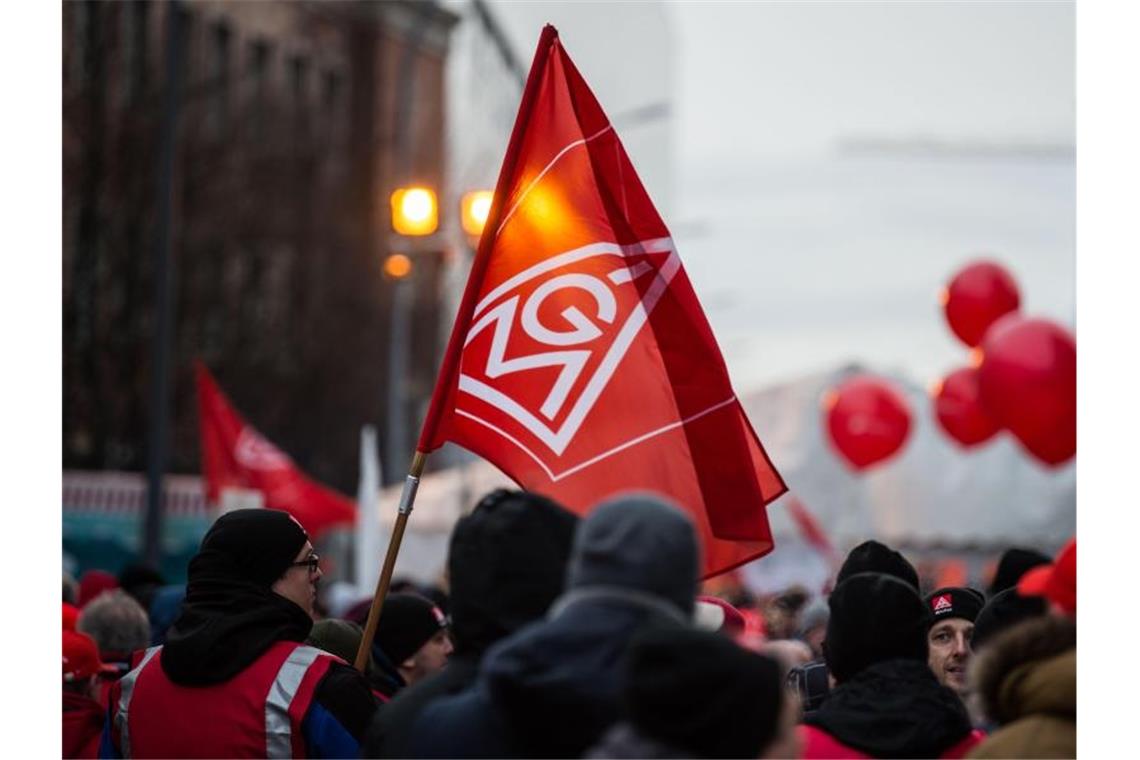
160 384
415 213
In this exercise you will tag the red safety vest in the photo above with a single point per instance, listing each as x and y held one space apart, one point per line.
257 713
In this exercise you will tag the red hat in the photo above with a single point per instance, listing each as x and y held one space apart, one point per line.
81 657
70 616
715 614
93 583
1056 582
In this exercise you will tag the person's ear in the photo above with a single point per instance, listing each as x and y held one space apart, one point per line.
409 663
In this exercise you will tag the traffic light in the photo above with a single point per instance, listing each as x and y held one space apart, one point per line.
474 209
414 211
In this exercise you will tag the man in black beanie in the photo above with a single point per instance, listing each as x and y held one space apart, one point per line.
743 709
954 609
411 643
234 678
506 563
886 702
1006 609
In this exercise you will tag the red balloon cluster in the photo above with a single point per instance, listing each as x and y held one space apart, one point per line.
1026 379
868 420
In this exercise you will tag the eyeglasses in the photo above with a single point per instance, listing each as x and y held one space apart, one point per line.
312 562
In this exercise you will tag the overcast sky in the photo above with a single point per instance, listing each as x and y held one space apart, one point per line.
806 260
761 79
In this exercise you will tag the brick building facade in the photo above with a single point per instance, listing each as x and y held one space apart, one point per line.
296 121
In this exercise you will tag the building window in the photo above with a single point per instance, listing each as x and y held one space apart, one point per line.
299 87
331 97
299 78
220 42
135 37
259 52
83 41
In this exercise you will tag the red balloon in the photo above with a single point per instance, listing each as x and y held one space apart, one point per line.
868 420
976 297
959 410
1028 383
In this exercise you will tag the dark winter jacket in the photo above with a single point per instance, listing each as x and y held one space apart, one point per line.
894 708
625 741
82 725
1026 678
389 731
553 688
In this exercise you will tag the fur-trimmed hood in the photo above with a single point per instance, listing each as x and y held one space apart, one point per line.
1029 669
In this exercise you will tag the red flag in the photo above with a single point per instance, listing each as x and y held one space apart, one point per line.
810 529
234 455
581 363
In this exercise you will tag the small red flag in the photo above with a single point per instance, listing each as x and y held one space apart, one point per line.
581 363
235 455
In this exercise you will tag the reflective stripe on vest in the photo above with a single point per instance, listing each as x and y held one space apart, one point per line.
126 688
278 725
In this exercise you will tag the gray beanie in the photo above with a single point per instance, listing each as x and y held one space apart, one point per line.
637 541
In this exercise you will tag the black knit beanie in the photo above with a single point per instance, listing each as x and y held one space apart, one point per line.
700 692
1006 609
1013 564
874 557
874 617
254 545
507 563
407 622
955 602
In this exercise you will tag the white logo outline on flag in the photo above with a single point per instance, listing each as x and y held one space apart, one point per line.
558 440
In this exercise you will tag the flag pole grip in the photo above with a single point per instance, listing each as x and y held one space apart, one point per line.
407 498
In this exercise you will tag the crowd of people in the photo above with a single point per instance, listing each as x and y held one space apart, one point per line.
565 637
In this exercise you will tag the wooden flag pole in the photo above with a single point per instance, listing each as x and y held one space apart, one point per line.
407 498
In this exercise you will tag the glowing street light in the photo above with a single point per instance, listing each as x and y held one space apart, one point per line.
474 209
397 266
414 211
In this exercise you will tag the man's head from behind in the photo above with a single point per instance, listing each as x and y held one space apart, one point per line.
874 557
413 635
117 623
954 609
506 564
637 542
1015 563
1056 582
747 713
873 617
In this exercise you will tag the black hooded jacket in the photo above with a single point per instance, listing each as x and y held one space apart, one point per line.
230 615
894 708
507 563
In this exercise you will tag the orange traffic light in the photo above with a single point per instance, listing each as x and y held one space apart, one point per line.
414 211
474 209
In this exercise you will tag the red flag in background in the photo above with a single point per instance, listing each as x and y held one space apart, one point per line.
234 455
581 363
